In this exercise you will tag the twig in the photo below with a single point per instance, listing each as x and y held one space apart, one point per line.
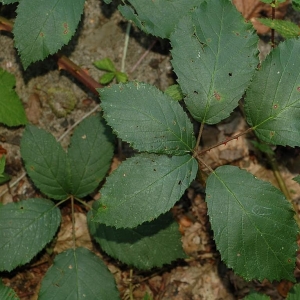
224 142
143 56
199 137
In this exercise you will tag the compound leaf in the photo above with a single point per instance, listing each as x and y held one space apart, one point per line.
78 274
42 27
272 102
25 228
147 118
294 293
45 162
157 17
7 293
144 187
149 245
11 109
219 62
253 225
89 155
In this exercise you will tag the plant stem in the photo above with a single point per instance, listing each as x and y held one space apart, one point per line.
199 137
73 223
201 161
224 142
143 56
130 285
125 46
84 203
65 63
272 29
60 202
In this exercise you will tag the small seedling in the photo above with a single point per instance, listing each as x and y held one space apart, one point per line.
111 72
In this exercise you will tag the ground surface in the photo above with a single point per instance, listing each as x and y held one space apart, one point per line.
55 101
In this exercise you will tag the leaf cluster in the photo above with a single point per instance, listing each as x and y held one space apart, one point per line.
253 223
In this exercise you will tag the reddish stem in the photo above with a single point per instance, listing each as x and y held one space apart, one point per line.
224 142
65 63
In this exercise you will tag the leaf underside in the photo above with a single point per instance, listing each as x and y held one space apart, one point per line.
25 228
157 17
149 245
219 62
253 225
148 119
272 103
42 27
143 187
78 274
11 109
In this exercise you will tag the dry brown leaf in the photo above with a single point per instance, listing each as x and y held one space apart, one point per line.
252 9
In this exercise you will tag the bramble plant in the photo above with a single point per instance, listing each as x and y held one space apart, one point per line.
252 221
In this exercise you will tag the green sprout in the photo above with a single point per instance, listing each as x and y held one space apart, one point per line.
108 66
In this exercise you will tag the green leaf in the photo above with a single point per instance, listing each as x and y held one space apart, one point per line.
89 155
297 179
157 17
256 296
277 2
2 165
144 187
263 147
149 245
25 228
121 77
107 1
253 225
9 1
107 78
294 293
5 177
148 119
78 274
7 293
105 64
296 4
217 65
175 92
42 27
78 172
272 103
11 109
45 162
286 28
